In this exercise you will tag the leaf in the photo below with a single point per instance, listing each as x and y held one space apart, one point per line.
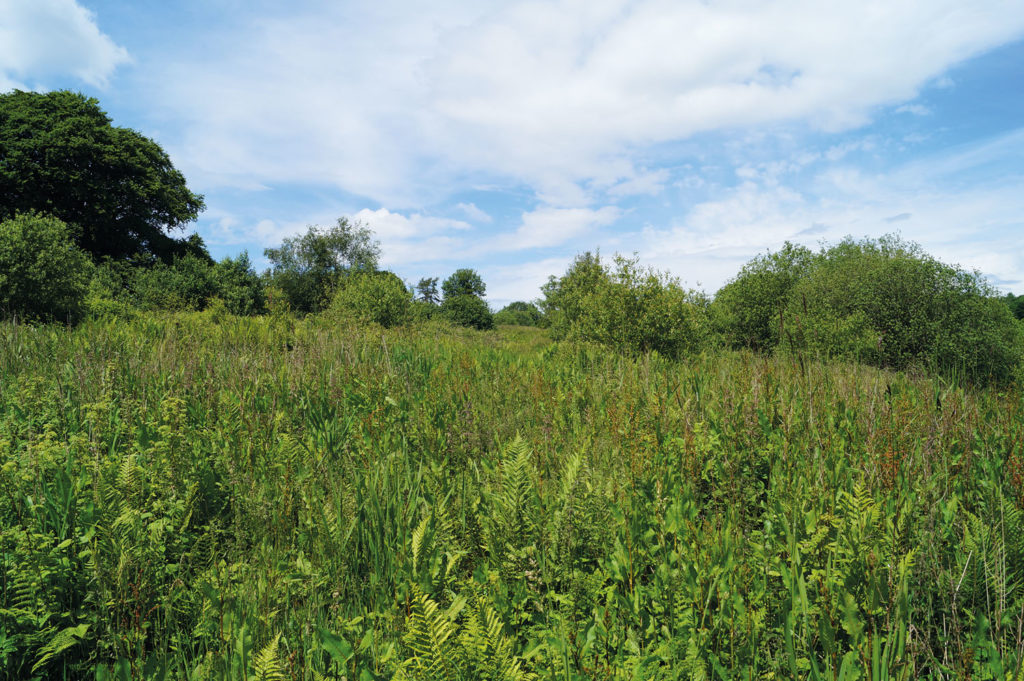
338 648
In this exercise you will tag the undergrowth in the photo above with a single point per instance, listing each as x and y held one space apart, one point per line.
200 496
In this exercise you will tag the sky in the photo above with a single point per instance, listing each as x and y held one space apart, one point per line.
510 136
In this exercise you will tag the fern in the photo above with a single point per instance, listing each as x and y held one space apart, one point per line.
64 639
266 666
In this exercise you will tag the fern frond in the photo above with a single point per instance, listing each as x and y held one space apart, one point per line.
266 666
63 640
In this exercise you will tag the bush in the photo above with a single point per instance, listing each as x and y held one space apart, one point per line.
519 314
44 276
238 285
889 304
467 310
378 297
631 308
464 282
746 310
564 296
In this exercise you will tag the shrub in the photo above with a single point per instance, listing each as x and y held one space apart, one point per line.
632 309
378 297
746 310
640 310
238 285
188 283
519 314
44 276
564 296
888 303
310 267
467 310
464 282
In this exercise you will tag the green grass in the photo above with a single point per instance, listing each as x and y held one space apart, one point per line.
194 496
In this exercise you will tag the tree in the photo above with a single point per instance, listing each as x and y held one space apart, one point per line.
308 268
467 310
44 276
427 290
886 302
238 285
563 296
60 155
378 297
464 282
746 310
519 313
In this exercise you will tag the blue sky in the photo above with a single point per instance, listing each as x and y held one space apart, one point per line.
510 136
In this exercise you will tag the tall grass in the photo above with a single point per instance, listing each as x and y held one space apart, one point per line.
208 497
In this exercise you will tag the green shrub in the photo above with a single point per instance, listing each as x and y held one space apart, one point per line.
519 314
564 296
188 283
746 310
44 276
631 308
379 297
467 310
309 268
464 282
888 303
238 285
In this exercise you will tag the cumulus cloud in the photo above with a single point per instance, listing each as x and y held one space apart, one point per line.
47 39
976 224
548 226
405 104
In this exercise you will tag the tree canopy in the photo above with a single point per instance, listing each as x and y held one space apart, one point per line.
464 282
60 155
309 267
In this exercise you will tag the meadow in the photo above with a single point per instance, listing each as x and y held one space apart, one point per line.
203 496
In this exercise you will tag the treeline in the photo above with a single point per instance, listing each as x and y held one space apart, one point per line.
882 302
86 210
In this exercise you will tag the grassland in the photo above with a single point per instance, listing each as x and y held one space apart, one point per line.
204 497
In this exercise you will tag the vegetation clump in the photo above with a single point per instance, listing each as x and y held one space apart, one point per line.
44 276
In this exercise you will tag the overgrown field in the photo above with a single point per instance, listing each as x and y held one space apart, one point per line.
193 497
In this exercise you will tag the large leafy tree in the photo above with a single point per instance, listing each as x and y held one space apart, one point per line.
60 155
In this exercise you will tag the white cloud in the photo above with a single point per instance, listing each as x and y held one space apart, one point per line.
507 283
45 39
405 104
471 211
976 224
549 226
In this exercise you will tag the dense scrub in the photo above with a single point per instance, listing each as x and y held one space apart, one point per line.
883 302
203 496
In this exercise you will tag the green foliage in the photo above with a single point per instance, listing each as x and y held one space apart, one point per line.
190 282
125 203
187 283
519 314
238 285
888 303
565 296
308 268
378 297
43 275
206 496
746 311
1016 304
467 310
630 309
464 282
426 289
